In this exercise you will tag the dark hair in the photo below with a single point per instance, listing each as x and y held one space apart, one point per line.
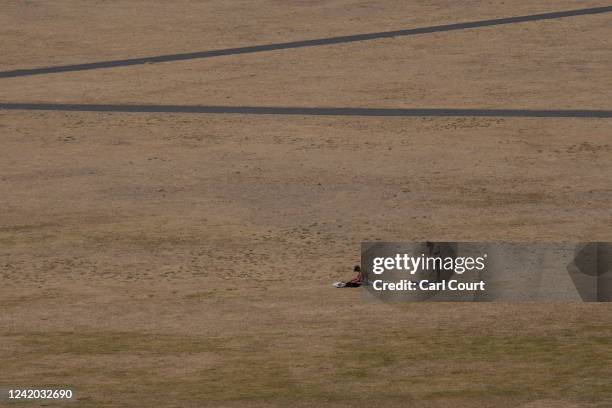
357 268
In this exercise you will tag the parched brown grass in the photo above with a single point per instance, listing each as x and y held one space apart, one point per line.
177 260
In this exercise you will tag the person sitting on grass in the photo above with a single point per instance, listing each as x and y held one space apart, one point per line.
353 283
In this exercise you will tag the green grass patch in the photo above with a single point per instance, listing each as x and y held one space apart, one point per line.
269 366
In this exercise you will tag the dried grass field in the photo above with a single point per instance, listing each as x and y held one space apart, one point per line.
170 256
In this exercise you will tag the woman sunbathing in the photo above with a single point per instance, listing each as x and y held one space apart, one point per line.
353 283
